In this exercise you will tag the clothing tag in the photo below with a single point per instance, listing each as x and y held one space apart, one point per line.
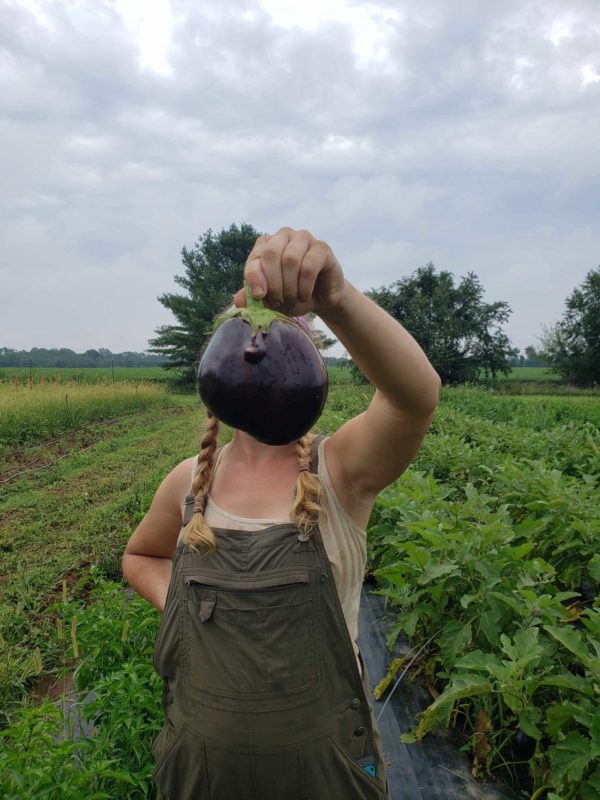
369 765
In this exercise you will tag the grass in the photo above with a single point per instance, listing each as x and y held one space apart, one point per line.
84 374
30 412
539 374
79 511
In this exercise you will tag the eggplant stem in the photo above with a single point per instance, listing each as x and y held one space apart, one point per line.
255 314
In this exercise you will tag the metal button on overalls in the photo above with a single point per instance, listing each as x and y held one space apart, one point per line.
255 653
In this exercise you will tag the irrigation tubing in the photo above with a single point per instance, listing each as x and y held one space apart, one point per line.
405 670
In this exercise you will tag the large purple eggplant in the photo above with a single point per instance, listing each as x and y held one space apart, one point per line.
261 373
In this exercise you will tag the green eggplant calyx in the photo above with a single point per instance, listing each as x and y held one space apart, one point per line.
255 314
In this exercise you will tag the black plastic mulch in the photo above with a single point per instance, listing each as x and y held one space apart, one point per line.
432 769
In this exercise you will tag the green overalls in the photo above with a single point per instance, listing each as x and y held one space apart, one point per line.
262 695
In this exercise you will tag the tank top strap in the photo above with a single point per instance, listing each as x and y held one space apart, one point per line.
314 452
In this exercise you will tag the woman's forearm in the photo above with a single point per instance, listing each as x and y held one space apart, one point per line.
149 576
384 351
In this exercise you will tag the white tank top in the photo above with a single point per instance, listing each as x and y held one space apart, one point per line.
345 543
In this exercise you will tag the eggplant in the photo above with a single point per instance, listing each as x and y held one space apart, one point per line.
523 746
261 373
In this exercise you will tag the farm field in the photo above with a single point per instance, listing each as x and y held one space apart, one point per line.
542 374
83 374
37 412
487 547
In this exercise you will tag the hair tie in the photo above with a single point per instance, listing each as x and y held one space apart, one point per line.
200 504
303 468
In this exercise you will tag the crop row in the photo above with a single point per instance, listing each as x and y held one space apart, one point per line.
488 549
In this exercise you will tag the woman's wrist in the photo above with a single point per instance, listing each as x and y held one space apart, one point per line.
338 310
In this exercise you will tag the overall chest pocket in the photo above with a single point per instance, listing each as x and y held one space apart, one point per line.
252 637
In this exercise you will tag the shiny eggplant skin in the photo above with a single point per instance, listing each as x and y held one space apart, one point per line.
523 746
273 387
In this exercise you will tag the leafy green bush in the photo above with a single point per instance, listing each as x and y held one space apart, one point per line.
110 641
488 550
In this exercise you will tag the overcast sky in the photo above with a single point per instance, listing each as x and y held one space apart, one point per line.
464 133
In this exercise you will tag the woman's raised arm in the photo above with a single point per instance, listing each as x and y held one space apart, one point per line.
296 273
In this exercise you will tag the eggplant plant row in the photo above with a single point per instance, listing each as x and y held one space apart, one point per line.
490 546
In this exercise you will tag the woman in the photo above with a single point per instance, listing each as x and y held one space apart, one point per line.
265 693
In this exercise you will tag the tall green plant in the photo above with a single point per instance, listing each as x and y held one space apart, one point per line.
214 269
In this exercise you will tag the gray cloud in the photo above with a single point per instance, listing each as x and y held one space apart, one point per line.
469 139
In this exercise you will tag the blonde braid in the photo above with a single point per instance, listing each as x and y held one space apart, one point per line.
306 508
198 535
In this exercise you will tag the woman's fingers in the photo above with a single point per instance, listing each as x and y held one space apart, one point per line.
271 264
284 267
311 265
239 298
291 261
253 272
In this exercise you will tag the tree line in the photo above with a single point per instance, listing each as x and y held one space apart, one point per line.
64 357
461 334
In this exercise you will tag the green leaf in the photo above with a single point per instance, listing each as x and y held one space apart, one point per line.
464 685
570 757
455 636
467 599
489 625
521 550
434 571
590 790
593 567
528 721
512 602
560 715
567 681
570 639
595 731
408 738
478 661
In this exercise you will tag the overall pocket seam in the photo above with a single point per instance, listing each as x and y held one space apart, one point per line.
175 737
377 783
291 580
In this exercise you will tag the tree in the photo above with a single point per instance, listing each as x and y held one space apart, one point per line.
214 271
534 358
572 346
459 333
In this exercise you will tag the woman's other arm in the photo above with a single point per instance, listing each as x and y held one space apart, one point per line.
148 553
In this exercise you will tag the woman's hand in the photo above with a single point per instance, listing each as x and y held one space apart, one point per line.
294 273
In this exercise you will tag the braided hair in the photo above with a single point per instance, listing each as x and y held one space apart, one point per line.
199 536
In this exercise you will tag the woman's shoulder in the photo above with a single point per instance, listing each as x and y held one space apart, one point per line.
177 484
355 506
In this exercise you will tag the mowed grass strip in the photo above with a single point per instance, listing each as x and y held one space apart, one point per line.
102 490
38 411
78 512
